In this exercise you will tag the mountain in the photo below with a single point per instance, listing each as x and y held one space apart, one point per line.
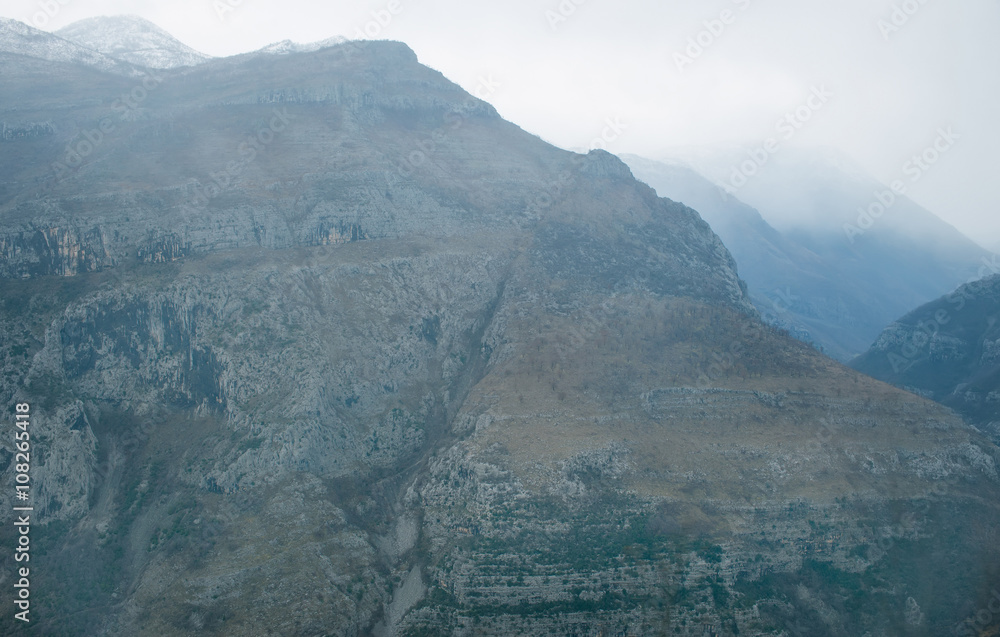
22 41
837 288
820 197
287 46
132 39
771 264
318 343
947 350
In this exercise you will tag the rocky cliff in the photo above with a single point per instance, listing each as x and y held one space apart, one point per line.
319 344
948 351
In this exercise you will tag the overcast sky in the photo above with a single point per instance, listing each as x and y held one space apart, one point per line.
562 68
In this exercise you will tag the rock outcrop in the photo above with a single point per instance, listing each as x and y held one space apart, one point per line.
947 351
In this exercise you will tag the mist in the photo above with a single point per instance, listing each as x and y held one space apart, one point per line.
672 74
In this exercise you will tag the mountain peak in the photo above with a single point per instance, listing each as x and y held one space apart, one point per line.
133 39
10 25
288 46
124 20
601 163
398 51
19 38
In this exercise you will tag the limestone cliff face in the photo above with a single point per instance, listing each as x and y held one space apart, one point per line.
54 250
412 371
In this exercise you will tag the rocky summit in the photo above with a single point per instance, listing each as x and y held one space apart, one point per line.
132 39
318 344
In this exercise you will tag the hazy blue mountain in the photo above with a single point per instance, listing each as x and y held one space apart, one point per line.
132 39
316 343
803 269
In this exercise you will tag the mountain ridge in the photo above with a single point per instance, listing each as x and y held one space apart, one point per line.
132 39
946 350
19 38
407 369
836 291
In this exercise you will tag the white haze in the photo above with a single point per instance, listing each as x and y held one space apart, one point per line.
615 60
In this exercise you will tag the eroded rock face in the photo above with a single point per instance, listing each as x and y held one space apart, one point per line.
502 389
947 351
54 250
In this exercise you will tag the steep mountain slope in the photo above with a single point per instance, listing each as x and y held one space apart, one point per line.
841 287
132 39
19 39
771 264
947 350
319 344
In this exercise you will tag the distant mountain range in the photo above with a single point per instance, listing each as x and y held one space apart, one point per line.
790 230
19 39
132 39
122 44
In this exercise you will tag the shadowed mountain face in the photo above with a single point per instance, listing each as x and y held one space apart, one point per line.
947 350
132 39
319 344
813 269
